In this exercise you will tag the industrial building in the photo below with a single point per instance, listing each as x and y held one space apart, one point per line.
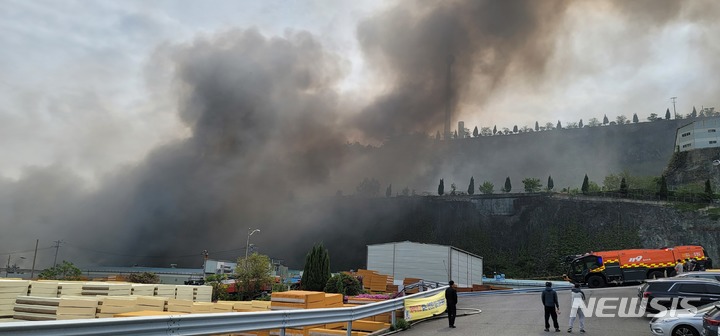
698 134
429 262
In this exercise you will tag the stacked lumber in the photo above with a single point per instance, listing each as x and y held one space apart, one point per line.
69 288
9 291
375 282
148 313
203 307
366 277
263 305
179 305
223 307
248 306
33 308
106 289
297 300
142 289
333 300
44 288
185 292
167 291
203 294
151 303
410 281
378 283
109 306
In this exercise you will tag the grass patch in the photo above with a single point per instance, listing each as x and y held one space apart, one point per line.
689 207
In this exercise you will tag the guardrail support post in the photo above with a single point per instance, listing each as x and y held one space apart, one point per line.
349 328
392 318
282 331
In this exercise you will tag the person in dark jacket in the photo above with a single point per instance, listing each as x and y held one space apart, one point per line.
551 305
451 300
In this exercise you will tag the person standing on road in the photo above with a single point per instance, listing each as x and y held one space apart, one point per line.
679 267
451 300
578 300
551 305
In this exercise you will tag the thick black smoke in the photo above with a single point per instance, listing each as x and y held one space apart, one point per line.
267 145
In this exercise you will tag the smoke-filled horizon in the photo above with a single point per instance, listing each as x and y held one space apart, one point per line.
267 120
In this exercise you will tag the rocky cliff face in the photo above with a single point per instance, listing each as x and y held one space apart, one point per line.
529 240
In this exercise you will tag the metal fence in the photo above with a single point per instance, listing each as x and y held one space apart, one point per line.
208 324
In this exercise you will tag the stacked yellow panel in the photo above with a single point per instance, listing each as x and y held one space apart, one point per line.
44 288
333 300
378 283
182 306
9 291
203 307
185 292
223 307
106 289
33 308
297 300
70 288
203 294
109 306
142 289
167 291
151 303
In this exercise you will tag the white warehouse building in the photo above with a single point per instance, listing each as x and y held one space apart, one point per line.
429 262
698 134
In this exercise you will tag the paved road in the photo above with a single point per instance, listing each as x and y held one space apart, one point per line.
522 314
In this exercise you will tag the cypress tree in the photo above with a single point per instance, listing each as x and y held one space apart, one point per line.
388 191
471 187
580 124
694 112
475 132
708 190
605 120
623 187
559 125
441 187
537 126
585 185
515 129
635 118
508 185
550 184
667 114
317 269
494 129
663 193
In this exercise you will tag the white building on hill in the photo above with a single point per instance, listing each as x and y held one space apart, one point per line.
698 134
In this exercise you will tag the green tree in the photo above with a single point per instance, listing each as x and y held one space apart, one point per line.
144 278
252 275
623 186
441 187
532 184
64 271
388 191
605 120
508 185
621 120
471 187
559 125
635 118
667 114
550 183
585 185
663 192
220 289
593 122
708 190
405 191
487 188
317 269
537 126
580 124
494 129
453 188
476 133
515 129
343 284
653 117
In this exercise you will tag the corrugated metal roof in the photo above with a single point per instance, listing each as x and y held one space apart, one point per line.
407 241
156 270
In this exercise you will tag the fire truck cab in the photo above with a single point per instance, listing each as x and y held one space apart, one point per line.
597 269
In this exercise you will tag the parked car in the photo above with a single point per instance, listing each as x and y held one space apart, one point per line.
700 274
663 291
686 323
711 321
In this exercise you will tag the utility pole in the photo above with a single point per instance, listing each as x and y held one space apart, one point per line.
674 112
32 272
205 258
57 248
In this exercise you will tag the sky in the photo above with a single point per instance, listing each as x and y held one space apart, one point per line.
148 116
71 71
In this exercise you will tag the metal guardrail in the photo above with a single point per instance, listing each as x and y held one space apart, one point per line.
207 324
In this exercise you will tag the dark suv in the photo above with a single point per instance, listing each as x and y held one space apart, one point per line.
664 291
711 322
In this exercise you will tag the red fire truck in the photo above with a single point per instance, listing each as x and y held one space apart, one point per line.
597 269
